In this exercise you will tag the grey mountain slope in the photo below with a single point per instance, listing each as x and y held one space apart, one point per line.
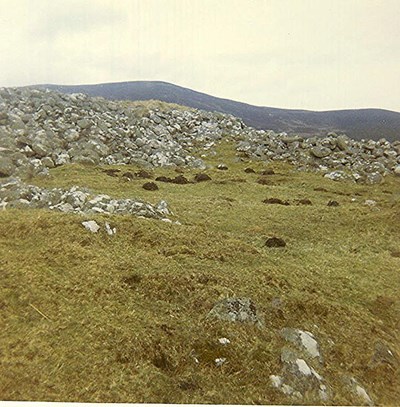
356 123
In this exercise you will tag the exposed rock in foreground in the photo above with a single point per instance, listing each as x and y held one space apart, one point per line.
16 194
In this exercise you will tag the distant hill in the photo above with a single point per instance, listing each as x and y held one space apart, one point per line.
356 123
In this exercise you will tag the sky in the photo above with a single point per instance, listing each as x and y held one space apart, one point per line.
305 54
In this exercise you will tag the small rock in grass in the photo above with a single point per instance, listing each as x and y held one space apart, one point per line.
202 177
222 167
110 231
360 392
370 202
224 341
220 361
91 226
333 203
305 340
275 242
150 186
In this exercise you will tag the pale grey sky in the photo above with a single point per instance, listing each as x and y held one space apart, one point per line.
309 54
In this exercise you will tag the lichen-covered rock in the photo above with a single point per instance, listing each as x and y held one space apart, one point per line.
236 310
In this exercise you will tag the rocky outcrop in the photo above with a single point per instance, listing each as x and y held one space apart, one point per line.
16 194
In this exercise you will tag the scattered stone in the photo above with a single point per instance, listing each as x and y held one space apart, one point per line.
150 186
60 128
220 361
333 203
110 231
298 377
236 310
360 392
249 171
304 340
224 341
202 177
370 202
91 226
337 176
275 242
13 190
272 201
222 167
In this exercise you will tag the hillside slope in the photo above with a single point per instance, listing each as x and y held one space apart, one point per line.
356 123
93 317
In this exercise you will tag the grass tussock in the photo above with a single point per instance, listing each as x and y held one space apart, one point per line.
89 317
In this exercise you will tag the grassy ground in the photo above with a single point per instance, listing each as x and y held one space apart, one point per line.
88 317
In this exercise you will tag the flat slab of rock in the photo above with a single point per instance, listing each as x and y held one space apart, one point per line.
91 226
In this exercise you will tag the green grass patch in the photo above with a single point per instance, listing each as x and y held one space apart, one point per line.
89 317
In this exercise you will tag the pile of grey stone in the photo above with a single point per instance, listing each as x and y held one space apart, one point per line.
40 129
16 194
337 156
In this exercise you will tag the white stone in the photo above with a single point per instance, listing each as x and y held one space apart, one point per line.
310 344
370 202
110 231
224 341
91 226
363 394
303 367
220 361
276 381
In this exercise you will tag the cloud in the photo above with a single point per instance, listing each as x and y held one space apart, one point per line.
314 54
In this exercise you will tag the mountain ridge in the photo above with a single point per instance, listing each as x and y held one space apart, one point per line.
369 123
